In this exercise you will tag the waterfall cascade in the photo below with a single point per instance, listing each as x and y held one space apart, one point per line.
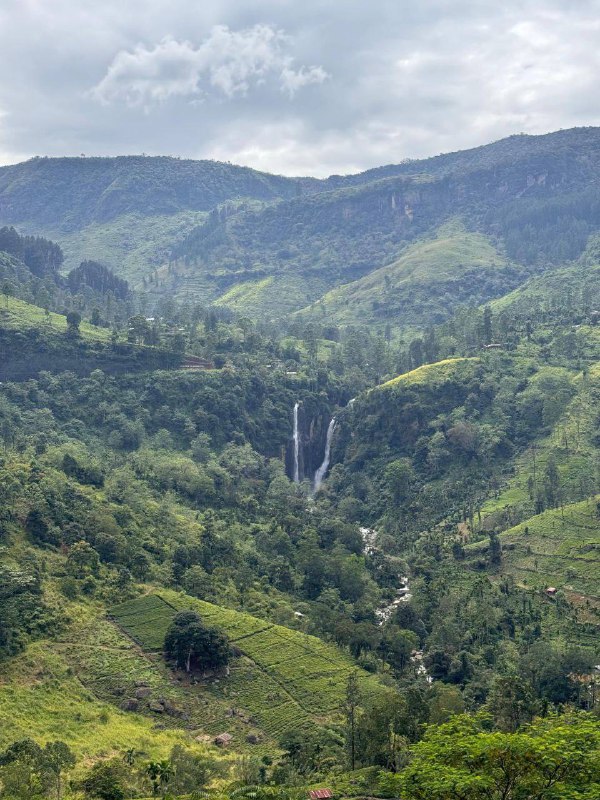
322 471
296 446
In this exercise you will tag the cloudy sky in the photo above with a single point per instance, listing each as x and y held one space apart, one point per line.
291 86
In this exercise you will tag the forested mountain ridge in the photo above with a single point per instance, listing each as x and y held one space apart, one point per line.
269 244
70 193
539 207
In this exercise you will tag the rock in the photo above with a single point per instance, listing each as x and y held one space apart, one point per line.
142 692
158 708
171 709
253 738
131 704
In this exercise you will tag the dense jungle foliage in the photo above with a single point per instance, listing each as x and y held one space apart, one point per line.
187 611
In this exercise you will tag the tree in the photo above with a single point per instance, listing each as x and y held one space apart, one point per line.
554 759
22 770
38 528
495 550
19 597
399 476
351 705
190 771
397 645
138 329
192 645
57 758
7 291
73 323
512 702
82 560
487 325
160 773
106 780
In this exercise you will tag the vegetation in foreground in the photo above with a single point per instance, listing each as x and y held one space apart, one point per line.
181 617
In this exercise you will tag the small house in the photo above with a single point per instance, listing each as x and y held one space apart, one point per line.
551 591
223 739
320 794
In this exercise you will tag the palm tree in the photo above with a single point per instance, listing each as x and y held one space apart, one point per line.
166 773
153 772
160 773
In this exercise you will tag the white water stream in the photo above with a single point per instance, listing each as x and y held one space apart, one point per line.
296 446
322 471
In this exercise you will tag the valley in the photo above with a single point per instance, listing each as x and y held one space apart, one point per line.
299 478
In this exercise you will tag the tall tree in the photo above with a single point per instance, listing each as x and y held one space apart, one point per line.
351 706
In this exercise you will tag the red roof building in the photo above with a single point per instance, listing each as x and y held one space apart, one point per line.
320 794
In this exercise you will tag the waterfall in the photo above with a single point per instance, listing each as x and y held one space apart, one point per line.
322 471
296 446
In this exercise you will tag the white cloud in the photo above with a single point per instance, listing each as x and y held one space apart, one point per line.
292 80
230 62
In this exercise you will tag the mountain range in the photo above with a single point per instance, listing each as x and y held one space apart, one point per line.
269 245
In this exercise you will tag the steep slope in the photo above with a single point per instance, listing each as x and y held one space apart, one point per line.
559 547
570 411
128 210
228 227
425 284
542 205
283 679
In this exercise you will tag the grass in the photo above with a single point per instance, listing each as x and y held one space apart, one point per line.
19 315
432 374
274 296
42 697
243 296
283 679
386 294
560 547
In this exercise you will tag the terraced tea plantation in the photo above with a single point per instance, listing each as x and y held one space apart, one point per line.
560 548
283 679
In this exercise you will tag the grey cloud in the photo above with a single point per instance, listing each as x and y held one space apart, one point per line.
347 86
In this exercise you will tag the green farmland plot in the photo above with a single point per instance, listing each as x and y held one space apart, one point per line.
282 678
560 548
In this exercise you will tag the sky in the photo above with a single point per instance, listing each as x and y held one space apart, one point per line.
297 87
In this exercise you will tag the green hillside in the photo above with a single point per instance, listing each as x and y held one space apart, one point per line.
33 340
370 515
430 375
42 695
72 193
21 316
424 285
209 228
125 211
132 244
559 547
540 207
283 679
570 410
